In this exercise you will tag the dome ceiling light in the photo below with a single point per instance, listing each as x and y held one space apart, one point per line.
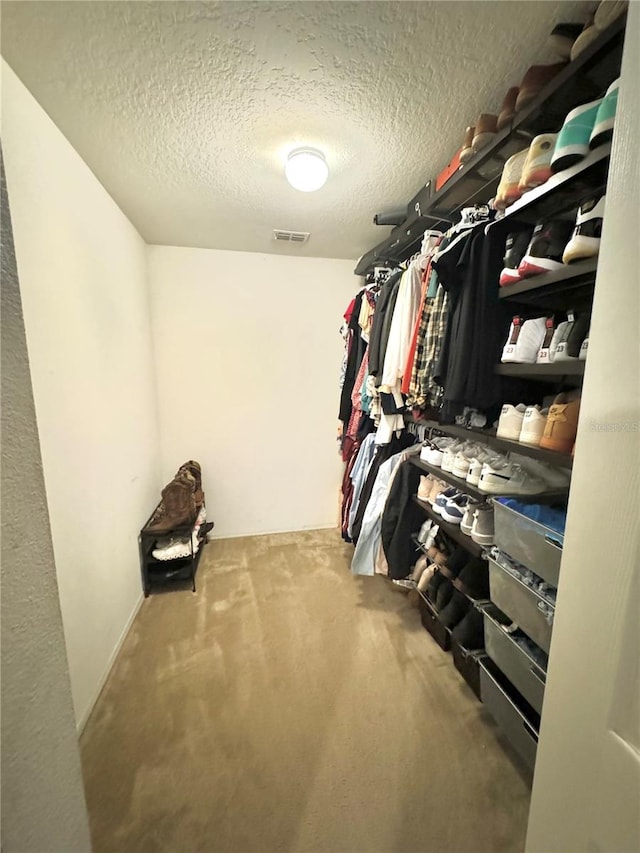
306 169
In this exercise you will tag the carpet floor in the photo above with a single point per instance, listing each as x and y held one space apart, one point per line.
288 706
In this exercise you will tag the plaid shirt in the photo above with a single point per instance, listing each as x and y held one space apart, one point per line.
424 391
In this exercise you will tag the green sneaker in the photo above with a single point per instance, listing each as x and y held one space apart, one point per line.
572 144
603 127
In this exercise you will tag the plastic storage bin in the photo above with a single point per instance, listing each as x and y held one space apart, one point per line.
521 603
528 542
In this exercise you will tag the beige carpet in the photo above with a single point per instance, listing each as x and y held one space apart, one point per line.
288 706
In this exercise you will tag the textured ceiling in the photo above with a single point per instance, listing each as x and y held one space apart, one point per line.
185 111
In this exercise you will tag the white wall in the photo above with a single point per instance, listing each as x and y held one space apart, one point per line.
82 269
248 357
587 781
43 805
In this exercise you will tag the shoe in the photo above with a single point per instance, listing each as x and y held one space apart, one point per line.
421 564
534 82
508 110
533 425
455 610
473 580
558 336
482 530
424 489
514 251
169 548
510 423
431 538
444 593
450 455
528 341
589 34
562 423
486 128
584 348
425 578
467 519
469 632
177 508
423 533
475 468
537 166
546 247
603 126
562 347
553 476
563 37
442 499
456 562
543 352
454 509
467 152
509 479
608 11
509 187
578 333
433 451
437 487
585 241
462 460
572 144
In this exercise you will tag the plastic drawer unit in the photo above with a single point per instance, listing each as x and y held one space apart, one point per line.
517 719
537 547
526 674
521 603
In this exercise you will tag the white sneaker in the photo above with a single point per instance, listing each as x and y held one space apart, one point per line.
528 342
450 455
475 468
509 478
584 349
510 423
462 461
559 336
554 477
423 533
433 451
543 356
533 425
467 520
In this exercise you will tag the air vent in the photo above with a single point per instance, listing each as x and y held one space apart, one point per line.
291 236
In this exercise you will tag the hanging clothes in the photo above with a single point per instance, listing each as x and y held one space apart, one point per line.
401 516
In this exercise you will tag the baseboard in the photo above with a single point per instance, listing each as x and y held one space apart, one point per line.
332 526
82 722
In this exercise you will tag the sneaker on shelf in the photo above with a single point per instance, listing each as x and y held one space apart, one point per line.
426 577
421 564
562 423
423 533
433 451
475 468
578 333
467 519
454 509
456 562
509 187
482 530
561 334
436 487
444 593
467 152
544 353
537 167
469 632
462 460
585 241
442 499
534 81
508 109
554 477
473 580
528 341
584 349
603 126
509 478
573 140
450 455
431 538
563 352
455 610
426 484
546 247
510 423
172 548
436 581
404 583
533 425
562 38
485 129
514 251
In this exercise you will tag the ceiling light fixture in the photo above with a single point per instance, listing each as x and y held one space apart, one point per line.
306 169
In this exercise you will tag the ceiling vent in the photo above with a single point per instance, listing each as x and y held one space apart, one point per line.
291 236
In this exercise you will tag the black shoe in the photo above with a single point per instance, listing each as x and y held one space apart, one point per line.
434 585
473 580
469 633
456 562
444 593
545 250
579 331
515 248
455 611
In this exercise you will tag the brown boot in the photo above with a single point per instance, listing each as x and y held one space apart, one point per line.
194 469
178 508
508 107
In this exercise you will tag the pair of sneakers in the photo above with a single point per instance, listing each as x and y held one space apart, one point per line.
430 487
529 477
451 505
477 523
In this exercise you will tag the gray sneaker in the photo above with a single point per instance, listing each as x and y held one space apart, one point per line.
482 530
